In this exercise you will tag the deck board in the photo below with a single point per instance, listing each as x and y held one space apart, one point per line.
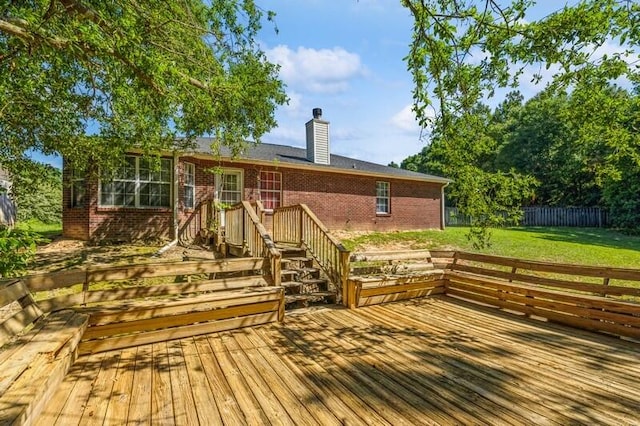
428 361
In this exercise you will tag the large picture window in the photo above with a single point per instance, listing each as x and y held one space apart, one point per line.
383 204
189 185
271 189
138 183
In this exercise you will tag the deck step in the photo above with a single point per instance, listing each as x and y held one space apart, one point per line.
305 270
291 284
316 296
299 259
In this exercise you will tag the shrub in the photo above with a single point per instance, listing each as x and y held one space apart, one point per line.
17 250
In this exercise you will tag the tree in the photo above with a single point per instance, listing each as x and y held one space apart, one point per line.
37 191
137 74
462 50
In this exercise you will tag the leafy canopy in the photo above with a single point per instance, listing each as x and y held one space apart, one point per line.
136 73
463 50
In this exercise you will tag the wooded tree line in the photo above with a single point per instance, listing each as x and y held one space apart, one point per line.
577 148
575 143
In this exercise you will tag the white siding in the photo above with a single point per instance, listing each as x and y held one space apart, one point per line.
318 150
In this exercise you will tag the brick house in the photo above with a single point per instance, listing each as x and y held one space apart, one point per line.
345 193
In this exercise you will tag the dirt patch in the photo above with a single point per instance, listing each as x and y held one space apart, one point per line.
388 246
65 253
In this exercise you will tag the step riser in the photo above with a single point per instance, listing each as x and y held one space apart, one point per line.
296 268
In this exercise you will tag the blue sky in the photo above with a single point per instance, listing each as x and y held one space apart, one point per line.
345 57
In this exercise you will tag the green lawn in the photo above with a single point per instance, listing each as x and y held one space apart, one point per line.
46 230
585 246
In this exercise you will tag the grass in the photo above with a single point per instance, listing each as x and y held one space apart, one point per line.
46 230
584 246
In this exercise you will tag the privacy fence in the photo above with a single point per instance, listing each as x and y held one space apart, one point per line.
587 217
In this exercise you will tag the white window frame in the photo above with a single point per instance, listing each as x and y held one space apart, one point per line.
78 189
189 171
262 190
137 180
383 197
219 180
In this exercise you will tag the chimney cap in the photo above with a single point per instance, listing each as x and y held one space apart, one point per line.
317 113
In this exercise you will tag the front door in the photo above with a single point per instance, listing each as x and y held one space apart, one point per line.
229 188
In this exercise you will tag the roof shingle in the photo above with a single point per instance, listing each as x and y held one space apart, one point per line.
297 156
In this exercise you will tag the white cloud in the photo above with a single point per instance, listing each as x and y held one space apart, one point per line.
405 120
316 70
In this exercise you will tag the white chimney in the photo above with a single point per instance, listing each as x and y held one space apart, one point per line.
318 139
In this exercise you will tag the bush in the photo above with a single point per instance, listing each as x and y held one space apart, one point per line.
17 250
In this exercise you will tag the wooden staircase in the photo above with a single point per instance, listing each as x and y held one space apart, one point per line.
303 280
303 257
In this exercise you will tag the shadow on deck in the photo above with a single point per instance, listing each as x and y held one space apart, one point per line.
423 361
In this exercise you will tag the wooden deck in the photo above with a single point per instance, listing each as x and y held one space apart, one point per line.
424 361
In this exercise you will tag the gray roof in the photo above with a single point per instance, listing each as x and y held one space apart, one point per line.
283 154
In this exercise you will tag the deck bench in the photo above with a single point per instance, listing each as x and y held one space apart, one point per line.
36 352
391 276
589 306
142 321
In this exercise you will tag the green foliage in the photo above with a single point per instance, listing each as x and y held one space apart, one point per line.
37 190
137 74
465 152
573 146
17 250
463 50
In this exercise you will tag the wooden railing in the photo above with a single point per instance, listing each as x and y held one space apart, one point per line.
287 224
589 297
298 225
199 224
593 298
243 228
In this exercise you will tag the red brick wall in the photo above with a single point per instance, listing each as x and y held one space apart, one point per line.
349 202
340 201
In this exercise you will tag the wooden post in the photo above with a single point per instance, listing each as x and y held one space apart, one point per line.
344 275
605 283
281 306
276 269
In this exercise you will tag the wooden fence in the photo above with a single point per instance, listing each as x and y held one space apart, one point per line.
584 217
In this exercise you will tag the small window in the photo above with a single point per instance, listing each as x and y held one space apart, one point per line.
189 185
78 189
383 202
271 189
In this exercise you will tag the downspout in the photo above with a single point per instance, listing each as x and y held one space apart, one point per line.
442 207
174 210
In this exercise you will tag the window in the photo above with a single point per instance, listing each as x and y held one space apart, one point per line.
78 189
229 187
139 183
189 185
383 205
271 189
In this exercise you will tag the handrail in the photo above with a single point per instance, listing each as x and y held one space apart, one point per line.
298 225
244 228
201 218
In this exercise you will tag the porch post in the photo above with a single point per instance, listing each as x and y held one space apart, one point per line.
176 199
